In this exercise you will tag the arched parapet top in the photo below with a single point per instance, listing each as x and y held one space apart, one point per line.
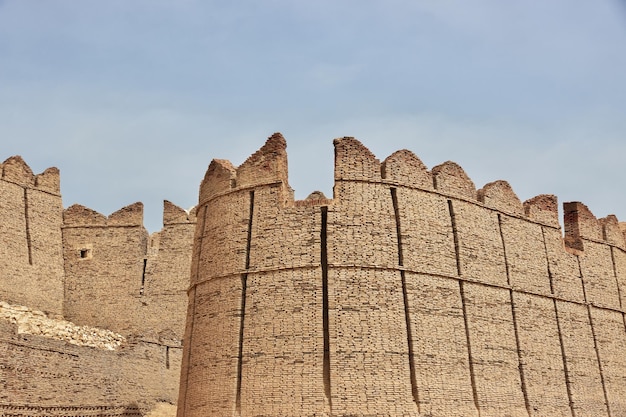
219 178
78 215
405 168
543 208
500 196
450 178
268 164
49 180
193 214
580 223
172 214
611 231
316 198
14 169
353 161
131 215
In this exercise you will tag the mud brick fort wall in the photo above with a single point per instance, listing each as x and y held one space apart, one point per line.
106 272
409 293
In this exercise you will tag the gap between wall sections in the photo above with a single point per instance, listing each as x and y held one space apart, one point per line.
325 318
244 288
405 297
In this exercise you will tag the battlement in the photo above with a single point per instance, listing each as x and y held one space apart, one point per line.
355 162
403 295
265 166
15 170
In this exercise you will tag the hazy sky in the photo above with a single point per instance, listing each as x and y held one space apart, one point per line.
131 99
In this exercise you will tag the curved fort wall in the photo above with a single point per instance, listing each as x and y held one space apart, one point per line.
409 293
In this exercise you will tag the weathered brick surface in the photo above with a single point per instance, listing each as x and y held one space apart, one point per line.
409 293
441 356
31 265
94 271
43 376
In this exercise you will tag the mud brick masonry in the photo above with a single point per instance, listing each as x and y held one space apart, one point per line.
67 274
409 293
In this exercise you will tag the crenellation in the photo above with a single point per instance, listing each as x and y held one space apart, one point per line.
220 178
580 224
611 232
172 214
405 168
267 165
77 215
353 161
408 293
544 209
49 181
15 170
450 178
131 215
500 196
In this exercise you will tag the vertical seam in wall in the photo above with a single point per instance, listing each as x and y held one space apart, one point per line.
595 340
405 296
506 261
191 325
520 364
143 276
619 290
167 357
545 251
27 227
469 347
455 236
325 318
518 345
568 382
244 289
200 243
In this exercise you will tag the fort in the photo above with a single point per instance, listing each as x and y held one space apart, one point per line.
408 293
93 309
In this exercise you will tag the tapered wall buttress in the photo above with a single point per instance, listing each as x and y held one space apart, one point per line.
409 293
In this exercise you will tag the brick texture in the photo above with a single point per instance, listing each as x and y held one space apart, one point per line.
409 293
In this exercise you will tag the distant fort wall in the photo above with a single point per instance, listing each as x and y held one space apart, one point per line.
119 278
31 263
91 270
409 293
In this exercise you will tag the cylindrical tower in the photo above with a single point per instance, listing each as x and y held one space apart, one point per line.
410 293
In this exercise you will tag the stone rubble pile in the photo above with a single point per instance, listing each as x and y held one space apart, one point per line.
38 323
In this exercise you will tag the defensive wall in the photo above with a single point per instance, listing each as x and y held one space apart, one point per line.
107 272
409 293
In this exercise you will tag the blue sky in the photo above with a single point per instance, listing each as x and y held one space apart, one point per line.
131 99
